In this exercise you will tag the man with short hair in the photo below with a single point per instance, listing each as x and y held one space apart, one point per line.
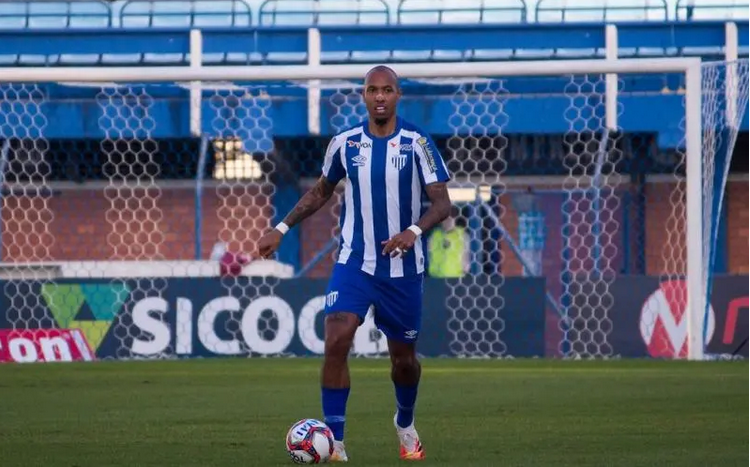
389 167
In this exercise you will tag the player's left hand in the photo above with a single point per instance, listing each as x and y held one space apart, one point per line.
399 244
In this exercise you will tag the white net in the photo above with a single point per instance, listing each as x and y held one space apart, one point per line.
725 100
590 249
101 256
243 144
27 215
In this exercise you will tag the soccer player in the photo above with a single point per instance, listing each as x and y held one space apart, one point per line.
389 167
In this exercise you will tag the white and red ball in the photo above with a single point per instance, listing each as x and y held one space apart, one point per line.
309 441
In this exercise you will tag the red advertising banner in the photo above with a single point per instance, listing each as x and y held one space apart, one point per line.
44 345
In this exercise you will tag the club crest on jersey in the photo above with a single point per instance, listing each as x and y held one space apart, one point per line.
359 160
399 161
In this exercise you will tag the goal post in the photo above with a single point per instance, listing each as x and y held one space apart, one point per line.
475 118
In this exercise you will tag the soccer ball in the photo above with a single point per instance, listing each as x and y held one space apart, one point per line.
309 441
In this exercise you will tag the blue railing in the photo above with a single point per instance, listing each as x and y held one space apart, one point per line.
74 14
601 10
55 14
329 12
461 12
179 13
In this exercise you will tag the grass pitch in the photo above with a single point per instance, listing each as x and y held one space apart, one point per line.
470 413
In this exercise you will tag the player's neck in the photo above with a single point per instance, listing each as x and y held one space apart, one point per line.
381 129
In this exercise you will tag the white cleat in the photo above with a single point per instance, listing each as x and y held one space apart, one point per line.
411 448
339 453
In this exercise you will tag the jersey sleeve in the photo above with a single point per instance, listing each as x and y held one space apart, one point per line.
333 169
430 163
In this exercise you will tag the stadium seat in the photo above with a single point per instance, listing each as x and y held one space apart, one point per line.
461 11
323 13
55 15
30 15
179 13
296 13
183 14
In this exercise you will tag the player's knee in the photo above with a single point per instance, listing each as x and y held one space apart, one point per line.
337 345
405 362
340 330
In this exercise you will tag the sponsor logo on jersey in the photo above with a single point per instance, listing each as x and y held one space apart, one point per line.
358 145
428 155
402 147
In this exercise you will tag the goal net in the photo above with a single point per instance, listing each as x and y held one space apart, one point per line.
561 196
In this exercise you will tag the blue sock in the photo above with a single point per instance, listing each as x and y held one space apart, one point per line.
334 410
406 397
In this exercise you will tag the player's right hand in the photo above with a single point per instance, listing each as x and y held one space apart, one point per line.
268 244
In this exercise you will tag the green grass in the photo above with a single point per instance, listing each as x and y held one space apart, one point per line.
470 413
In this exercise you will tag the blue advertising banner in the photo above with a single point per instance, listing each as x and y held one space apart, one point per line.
210 317
206 317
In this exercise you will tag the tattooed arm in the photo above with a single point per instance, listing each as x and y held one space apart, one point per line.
315 198
439 209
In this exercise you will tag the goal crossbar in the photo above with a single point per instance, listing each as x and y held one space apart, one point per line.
314 72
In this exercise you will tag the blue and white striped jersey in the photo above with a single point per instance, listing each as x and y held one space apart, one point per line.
384 193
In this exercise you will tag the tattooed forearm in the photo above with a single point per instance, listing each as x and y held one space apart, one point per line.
439 209
310 202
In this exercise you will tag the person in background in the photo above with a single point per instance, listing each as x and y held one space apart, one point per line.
448 249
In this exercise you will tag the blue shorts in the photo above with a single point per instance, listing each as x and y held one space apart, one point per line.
397 302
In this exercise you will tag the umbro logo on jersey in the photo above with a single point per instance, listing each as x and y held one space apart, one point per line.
411 334
359 161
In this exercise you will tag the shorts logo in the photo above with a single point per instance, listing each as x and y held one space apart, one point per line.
399 161
358 145
429 157
331 298
359 161
411 334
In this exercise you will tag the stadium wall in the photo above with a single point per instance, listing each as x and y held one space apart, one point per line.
79 224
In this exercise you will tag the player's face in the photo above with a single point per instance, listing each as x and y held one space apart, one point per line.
381 95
